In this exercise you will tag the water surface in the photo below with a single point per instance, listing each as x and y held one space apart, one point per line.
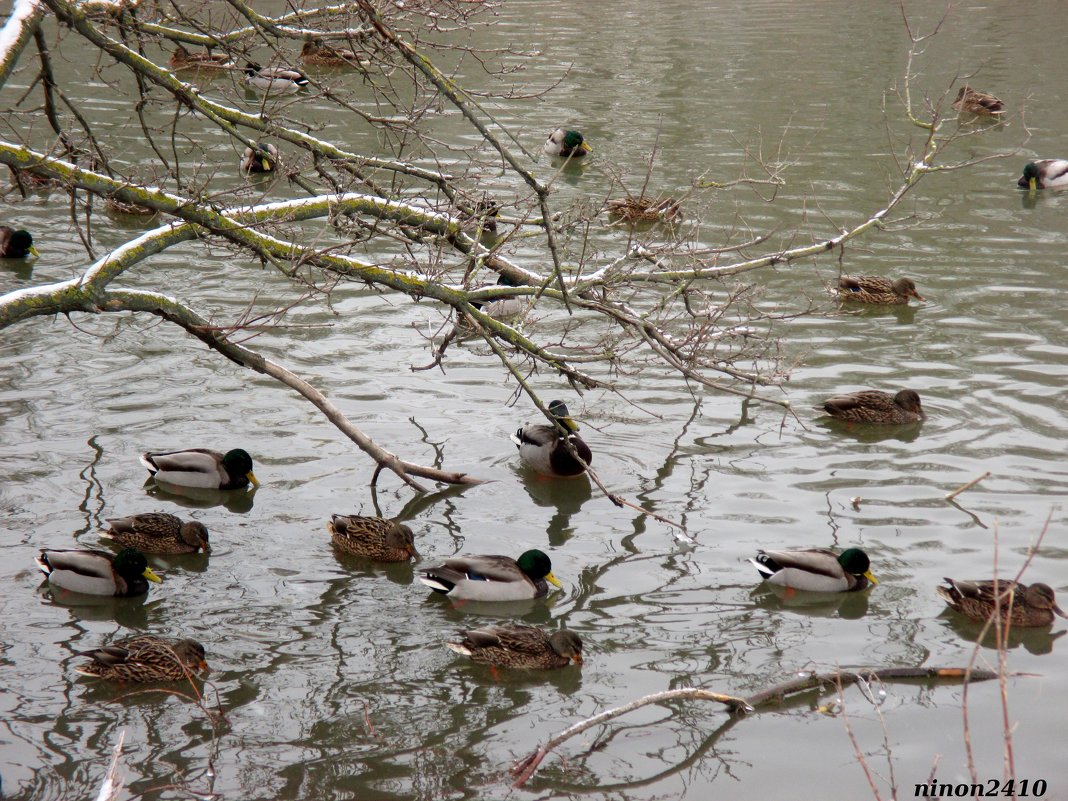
331 672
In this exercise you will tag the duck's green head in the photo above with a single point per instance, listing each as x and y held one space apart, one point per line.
1031 175
238 463
855 562
22 242
573 139
131 563
264 155
558 409
536 565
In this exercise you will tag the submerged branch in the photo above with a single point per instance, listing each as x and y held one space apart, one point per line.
522 770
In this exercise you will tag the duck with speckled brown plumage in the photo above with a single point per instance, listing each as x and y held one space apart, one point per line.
317 53
877 290
518 646
1017 603
981 104
144 658
182 59
372 537
873 406
158 532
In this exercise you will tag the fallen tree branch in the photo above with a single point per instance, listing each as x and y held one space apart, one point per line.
523 769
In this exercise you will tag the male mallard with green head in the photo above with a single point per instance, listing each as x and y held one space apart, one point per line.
816 569
492 578
124 574
158 532
262 158
544 449
16 244
199 467
1019 604
518 646
372 537
566 144
873 406
1044 174
145 657
282 80
876 289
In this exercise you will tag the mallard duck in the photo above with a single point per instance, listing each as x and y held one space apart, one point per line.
482 215
28 181
373 537
1044 174
1019 604
158 532
16 244
145 657
124 574
645 209
518 646
116 206
544 449
182 59
505 309
873 406
321 54
262 159
816 569
567 144
492 578
876 289
973 102
274 79
199 467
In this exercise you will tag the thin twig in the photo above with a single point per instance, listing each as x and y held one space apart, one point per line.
967 486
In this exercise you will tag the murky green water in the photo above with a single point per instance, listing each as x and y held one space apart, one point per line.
331 673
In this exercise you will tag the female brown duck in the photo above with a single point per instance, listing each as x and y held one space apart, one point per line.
372 537
873 406
876 289
1019 604
518 646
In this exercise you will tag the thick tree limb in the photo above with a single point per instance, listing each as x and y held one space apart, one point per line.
17 32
